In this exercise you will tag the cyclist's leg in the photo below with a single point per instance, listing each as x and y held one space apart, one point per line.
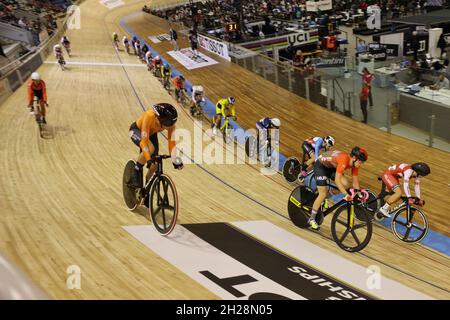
392 184
322 174
42 109
154 141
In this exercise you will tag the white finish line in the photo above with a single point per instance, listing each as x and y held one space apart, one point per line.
100 64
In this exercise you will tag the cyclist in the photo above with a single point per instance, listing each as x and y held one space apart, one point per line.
57 50
166 71
223 108
331 165
198 95
149 60
66 44
263 126
144 50
137 47
311 149
157 62
126 44
180 86
36 88
133 42
143 133
390 179
115 38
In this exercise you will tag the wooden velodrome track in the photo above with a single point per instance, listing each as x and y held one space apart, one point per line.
61 198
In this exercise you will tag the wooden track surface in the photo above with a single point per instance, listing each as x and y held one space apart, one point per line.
61 198
257 98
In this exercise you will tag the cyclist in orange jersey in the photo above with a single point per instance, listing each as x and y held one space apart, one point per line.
331 165
143 132
36 88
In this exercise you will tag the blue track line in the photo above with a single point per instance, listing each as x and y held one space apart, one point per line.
434 240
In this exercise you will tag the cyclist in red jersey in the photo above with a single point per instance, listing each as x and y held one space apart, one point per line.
390 179
331 165
36 88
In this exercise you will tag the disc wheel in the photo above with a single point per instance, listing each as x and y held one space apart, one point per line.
299 205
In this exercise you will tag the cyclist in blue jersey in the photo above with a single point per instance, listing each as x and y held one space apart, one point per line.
263 126
311 149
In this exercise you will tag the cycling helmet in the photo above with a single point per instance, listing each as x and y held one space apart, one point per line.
199 89
328 141
231 100
166 65
181 78
157 58
359 153
421 168
35 76
276 122
166 113
57 46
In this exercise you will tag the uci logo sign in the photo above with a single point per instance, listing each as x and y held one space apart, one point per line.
374 20
298 38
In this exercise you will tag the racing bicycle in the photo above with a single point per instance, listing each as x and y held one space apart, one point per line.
158 194
409 223
351 225
227 130
166 82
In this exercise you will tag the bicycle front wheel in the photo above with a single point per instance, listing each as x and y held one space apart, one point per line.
351 233
410 230
228 134
164 204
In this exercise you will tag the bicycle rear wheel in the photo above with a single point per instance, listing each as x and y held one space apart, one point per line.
299 205
291 169
412 230
129 192
164 204
351 239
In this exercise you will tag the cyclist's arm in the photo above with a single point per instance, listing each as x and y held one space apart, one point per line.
30 94
317 148
171 142
145 144
417 187
233 111
406 175
44 91
339 184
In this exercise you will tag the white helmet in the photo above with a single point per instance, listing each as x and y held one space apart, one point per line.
35 76
114 34
276 122
57 46
328 141
199 89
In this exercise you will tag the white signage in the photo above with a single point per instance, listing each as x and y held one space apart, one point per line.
214 46
110 4
190 61
298 38
321 5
